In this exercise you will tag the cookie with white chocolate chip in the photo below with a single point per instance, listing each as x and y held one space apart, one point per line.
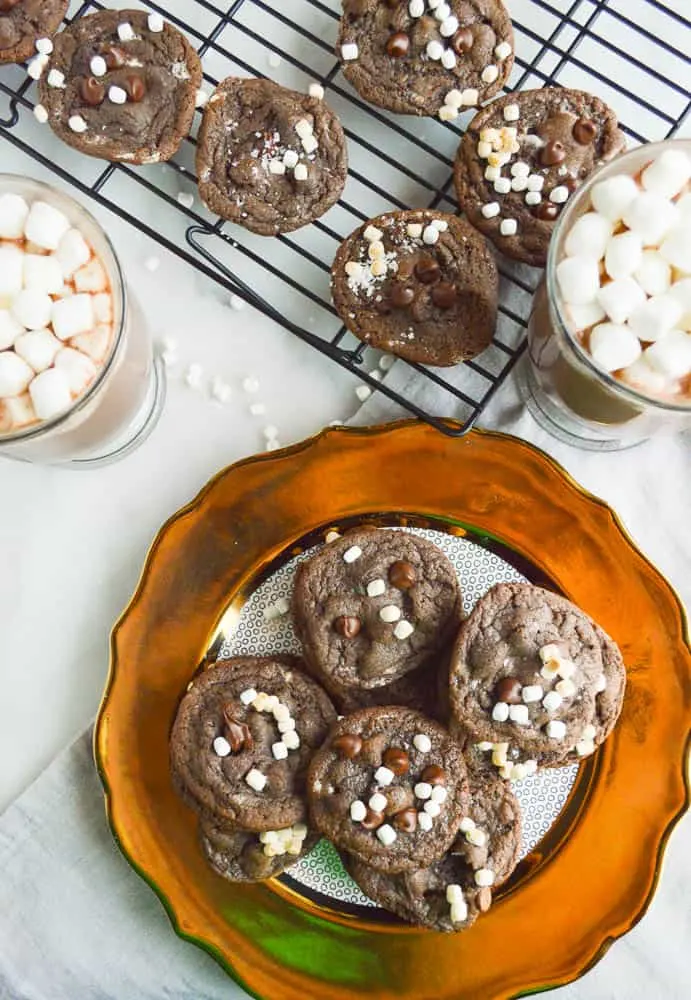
389 786
426 57
242 739
25 27
534 682
269 158
246 856
121 86
374 606
421 284
454 891
523 156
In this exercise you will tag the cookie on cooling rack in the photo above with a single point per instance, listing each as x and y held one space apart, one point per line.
422 285
245 856
523 156
121 85
23 23
242 739
426 57
269 158
452 892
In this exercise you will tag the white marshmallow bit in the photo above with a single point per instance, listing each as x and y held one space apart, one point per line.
37 66
623 254
277 167
641 376
653 274
77 123
502 185
491 210
11 271
681 290
454 98
310 144
600 684
287 726
614 346
651 216
476 836
532 692
484 877
432 808
500 712
155 22
423 790
44 46
579 279
403 630
621 298
221 746
316 90
533 197
378 802
414 230
453 893
358 811
440 224
466 824
439 794
390 614
40 114
50 394
376 588
13 213
386 834
448 27
32 309
430 235
555 729
484 149
42 273
422 742
492 174
519 715
38 348
352 554
585 316
448 59
484 745
98 66
668 174
72 252
536 182
442 11
372 234
656 316
363 392
566 688
676 248
290 159
589 732
471 97
291 739
552 701
588 237
10 330
520 168
383 775
489 74
71 316
15 374
585 747
612 197
559 194
416 8
425 821
248 696
349 51
45 226
279 750
447 113
125 32
256 780
671 355
16 412
117 95
79 371
91 278
502 52
508 227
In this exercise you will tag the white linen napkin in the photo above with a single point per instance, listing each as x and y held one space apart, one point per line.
76 922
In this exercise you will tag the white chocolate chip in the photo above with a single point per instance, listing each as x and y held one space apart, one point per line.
256 780
383 775
390 613
386 834
423 790
422 742
352 554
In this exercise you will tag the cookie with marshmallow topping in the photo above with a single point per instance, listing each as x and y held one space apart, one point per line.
121 85
247 856
26 27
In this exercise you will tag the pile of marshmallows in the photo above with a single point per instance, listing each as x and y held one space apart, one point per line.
56 313
626 276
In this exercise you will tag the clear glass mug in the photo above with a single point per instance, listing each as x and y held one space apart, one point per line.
121 406
564 389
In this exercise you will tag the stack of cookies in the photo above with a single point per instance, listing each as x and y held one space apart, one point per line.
441 714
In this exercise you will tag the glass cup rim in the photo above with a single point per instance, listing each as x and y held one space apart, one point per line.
628 392
43 426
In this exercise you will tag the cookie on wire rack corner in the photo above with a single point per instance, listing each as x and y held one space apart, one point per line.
26 29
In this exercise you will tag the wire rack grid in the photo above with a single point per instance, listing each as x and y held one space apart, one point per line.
633 53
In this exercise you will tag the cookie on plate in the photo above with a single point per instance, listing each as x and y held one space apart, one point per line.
245 856
523 156
121 85
421 284
426 57
527 676
25 22
374 605
452 892
426 689
242 739
389 786
269 158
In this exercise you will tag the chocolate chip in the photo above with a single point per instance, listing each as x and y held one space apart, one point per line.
92 91
462 41
402 575
508 689
348 626
383 307
484 899
237 733
427 270
348 745
434 775
444 295
401 295
406 267
372 820
396 760
406 820
552 152
546 211
134 85
114 57
584 131
398 44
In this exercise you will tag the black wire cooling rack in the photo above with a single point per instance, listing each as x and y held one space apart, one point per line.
632 53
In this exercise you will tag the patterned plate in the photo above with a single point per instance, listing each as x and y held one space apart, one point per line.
501 509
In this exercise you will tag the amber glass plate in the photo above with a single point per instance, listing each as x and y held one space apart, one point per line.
582 886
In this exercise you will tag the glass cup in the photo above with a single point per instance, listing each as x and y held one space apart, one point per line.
563 388
122 405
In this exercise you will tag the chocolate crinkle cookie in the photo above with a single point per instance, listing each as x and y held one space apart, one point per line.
122 86
247 856
269 158
523 156
426 57
421 284
26 27
534 681
242 739
390 787
454 891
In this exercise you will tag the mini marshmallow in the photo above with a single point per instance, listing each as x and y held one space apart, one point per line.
612 197
10 329
77 123
72 316
95 344
623 254
532 692
42 273
613 346
98 66
378 802
579 279
36 67
470 96
653 274
508 227
155 22
301 173
552 701
500 712
44 46
50 394
32 309
383 775
248 696
585 316
16 412
476 836
502 52
125 32
15 374
403 630
566 688
422 742
386 834
117 95
448 59
556 729
651 216
484 877
376 588
432 808
491 210
390 613
56 79
656 316
466 824
38 348
492 174
453 893
489 74
641 376
441 10
536 182
671 355
621 298
221 746
447 113
316 90
668 174
291 739
277 167
600 684
533 197
448 27
287 726
559 194
439 794
79 370
363 392
352 554
502 185
72 252
423 790
279 750
256 780
13 213
310 144
588 237
358 811
681 290
45 225
40 114
519 715
676 248
349 51
430 235
11 271
290 159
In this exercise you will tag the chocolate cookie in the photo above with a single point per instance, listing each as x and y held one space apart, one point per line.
452 893
421 284
121 85
269 158
373 606
523 156
389 786
426 58
243 856
24 22
426 689
242 739
527 674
